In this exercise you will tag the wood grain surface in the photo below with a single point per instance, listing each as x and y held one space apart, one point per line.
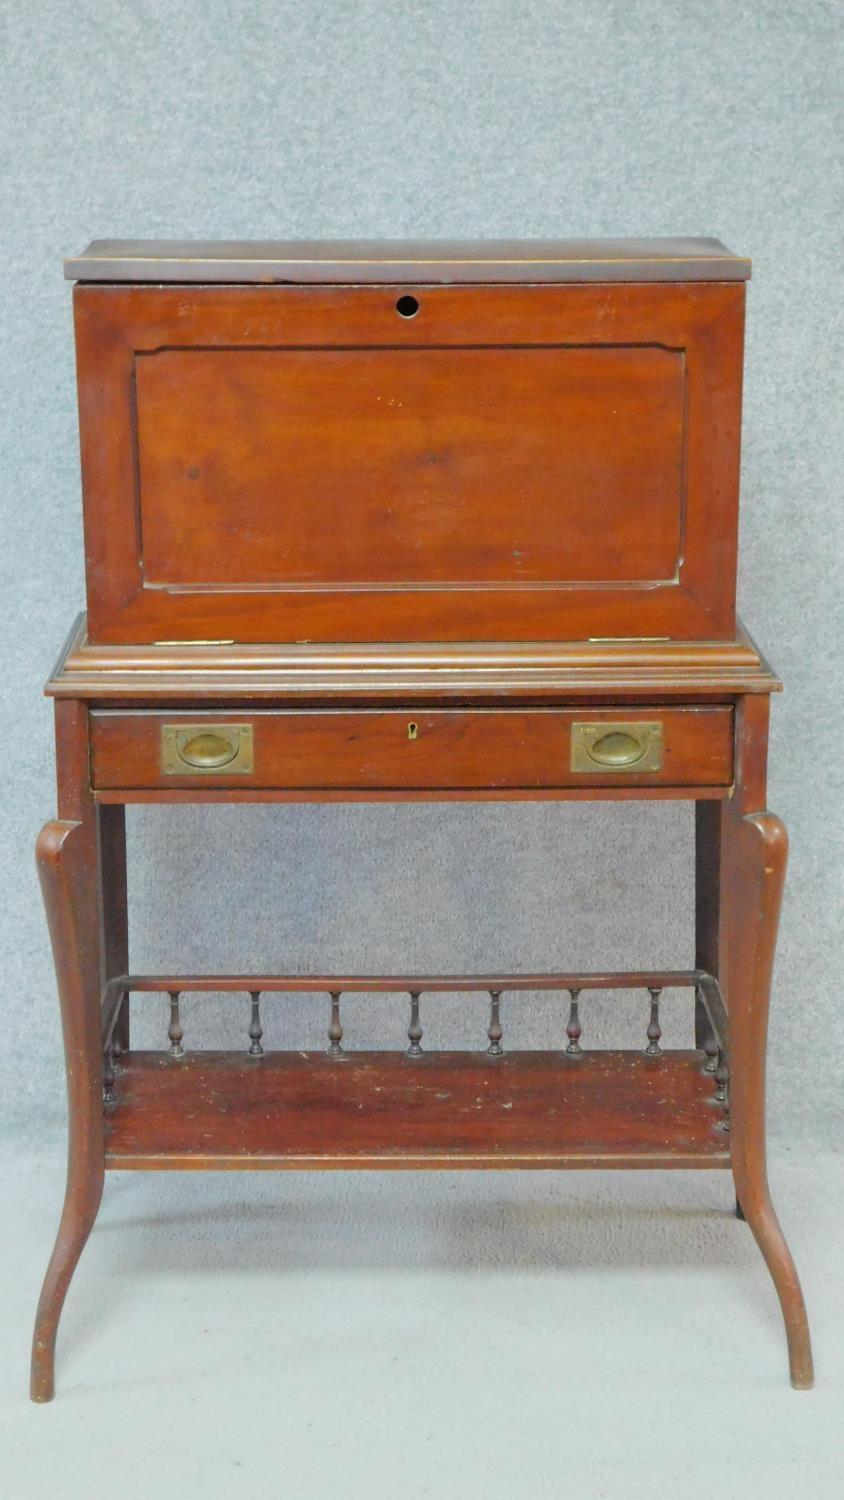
539 1109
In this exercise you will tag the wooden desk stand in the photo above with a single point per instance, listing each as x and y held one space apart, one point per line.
454 479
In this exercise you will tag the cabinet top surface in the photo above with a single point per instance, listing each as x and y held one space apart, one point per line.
444 261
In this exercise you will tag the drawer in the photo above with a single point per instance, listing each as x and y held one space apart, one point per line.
416 748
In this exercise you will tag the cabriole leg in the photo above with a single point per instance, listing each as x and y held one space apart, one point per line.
744 851
68 860
740 862
758 858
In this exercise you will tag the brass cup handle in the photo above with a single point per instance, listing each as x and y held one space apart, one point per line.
616 747
208 752
205 748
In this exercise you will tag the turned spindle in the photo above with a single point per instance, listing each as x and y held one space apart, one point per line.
495 1030
414 1030
175 1030
335 1029
722 1088
256 1030
108 1076
574 1030
653 1048
710 1046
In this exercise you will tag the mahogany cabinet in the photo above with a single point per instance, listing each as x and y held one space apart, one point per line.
412 521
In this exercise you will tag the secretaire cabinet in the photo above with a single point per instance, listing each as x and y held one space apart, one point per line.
412 522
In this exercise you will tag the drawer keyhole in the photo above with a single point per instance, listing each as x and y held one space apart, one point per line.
412 731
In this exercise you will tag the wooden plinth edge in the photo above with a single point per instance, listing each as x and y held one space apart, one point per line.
475 672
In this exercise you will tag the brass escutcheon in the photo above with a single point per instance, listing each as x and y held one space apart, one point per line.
191 749
616 747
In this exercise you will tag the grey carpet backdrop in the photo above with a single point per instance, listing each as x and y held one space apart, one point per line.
204 118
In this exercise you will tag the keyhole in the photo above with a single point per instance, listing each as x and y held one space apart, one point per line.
407 307
413 731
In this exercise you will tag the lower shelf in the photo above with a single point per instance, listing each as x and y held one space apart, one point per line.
441 1110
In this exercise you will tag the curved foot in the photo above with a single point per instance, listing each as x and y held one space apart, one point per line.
760 1215
77 1221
